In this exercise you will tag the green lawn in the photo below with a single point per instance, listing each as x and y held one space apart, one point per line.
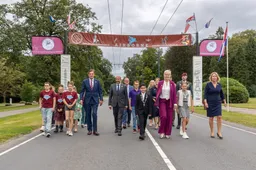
250 105
16 125
235 117
4 108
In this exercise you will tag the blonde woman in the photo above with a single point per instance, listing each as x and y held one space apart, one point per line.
150 86
166 101
213 98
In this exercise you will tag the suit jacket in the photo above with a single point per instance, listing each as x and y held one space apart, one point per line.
120 97
94 94
140 108
173 99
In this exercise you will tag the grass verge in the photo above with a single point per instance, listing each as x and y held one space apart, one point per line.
235 117
16 125
4 108
250 105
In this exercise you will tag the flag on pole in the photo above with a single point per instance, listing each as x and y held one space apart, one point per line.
192 18
207 25
186 27
52 19
72 25
224 43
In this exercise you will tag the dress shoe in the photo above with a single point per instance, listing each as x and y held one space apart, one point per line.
178 127
116 131
96 133
142 137
89 133
124 127
221 137
119 134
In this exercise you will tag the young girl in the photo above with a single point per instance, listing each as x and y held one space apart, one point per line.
70 98
78 111
60 110
185 101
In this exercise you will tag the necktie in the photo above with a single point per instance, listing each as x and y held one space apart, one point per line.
91 83
118 87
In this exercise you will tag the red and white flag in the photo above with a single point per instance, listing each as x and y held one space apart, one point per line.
72 25
186 27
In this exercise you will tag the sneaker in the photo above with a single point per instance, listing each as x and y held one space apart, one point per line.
181 132
44 134
162 136
70 133
48 135
42 129
167 136
134 131
67 133
185 136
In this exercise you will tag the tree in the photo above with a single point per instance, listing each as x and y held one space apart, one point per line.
239 67
27 92
251 58
144 67
11 80
179 60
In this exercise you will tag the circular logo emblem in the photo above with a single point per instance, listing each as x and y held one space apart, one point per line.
48 44
76 38
211 46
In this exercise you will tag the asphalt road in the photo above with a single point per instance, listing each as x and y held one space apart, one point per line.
109 152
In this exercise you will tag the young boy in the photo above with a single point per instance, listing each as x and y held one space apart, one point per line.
47 103
60 110
70 98
185 102
143 109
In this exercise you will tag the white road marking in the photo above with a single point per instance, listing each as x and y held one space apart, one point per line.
161 152
223 124
23 143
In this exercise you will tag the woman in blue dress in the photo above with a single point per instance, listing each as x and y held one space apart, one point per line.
213 98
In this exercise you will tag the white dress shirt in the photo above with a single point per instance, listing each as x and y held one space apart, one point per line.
165 91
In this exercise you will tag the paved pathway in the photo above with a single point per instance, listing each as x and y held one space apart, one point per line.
15 112
241 110
110 152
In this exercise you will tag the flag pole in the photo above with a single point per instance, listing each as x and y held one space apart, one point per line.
197 38
227 72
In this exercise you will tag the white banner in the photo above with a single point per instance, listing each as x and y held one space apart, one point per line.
65 70
197 80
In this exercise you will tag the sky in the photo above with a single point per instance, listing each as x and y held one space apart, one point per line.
139 17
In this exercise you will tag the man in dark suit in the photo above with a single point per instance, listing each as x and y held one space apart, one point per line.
93 97
143 109
118 100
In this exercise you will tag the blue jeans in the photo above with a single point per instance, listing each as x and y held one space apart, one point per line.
134 118
84 117
47 117
91 112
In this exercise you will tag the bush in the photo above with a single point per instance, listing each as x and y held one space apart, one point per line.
237 91
28 103
252 90
27 92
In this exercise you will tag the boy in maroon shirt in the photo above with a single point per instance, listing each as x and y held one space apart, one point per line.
69 99
47 103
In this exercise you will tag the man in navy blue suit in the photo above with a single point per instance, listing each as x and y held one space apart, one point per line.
93 97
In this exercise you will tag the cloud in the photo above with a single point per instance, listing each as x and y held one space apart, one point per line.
140 16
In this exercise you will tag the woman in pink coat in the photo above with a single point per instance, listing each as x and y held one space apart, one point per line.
166 101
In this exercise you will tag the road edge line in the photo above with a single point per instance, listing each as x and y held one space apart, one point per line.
161 152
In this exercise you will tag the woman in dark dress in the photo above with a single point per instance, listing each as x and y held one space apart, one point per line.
213 97
155 114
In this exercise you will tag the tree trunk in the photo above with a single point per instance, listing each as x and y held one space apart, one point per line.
4 96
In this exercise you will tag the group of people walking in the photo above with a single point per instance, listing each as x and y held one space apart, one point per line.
158 102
